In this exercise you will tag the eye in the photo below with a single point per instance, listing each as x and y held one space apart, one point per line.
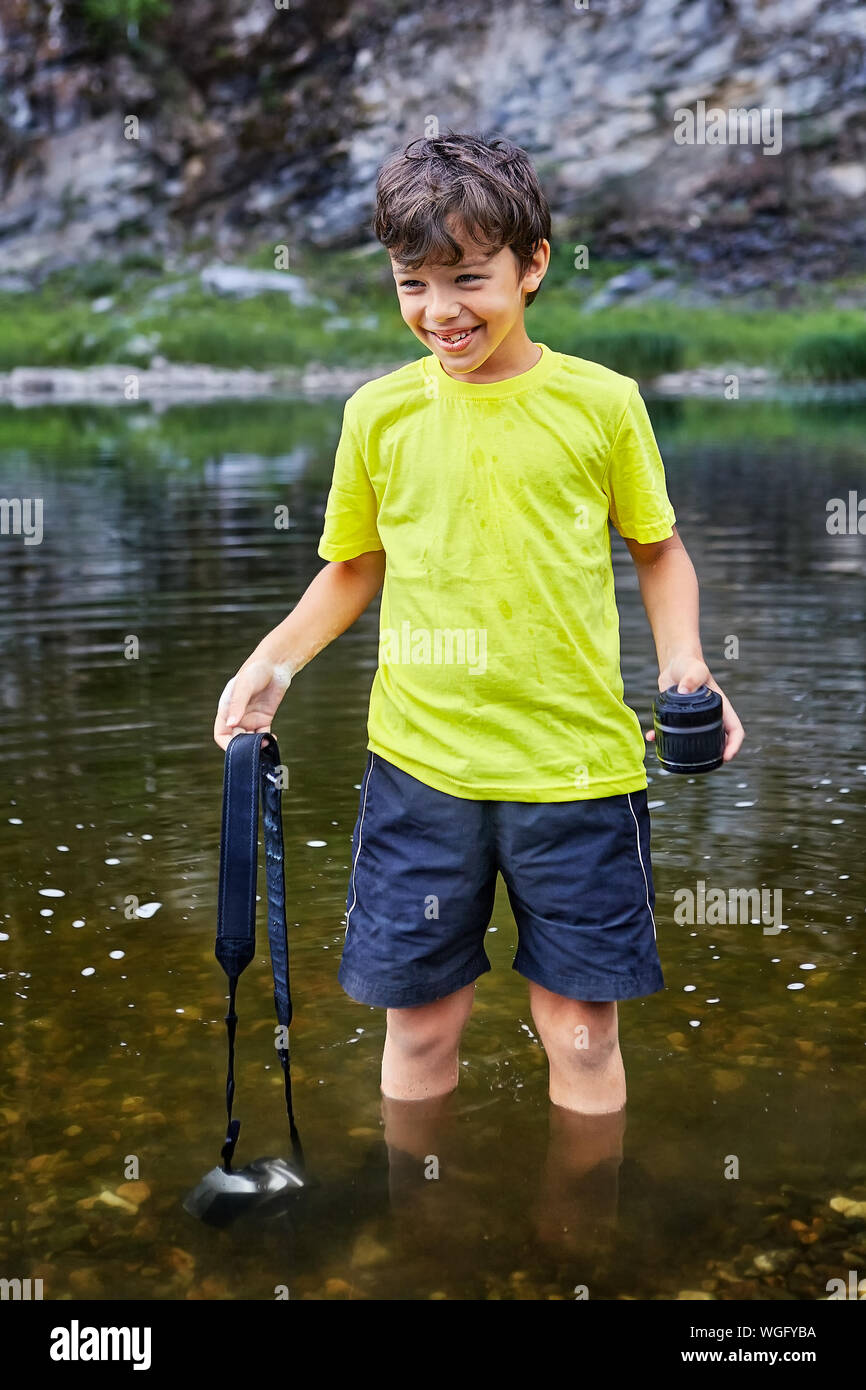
467 275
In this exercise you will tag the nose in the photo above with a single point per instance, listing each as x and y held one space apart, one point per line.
440 311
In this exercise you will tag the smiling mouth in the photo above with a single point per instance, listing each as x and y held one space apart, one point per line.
455 338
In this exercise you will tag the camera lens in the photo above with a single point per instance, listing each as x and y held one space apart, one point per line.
690 735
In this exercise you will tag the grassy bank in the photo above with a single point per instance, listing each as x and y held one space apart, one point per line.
109 313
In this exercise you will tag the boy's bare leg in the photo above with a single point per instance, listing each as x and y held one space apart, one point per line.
576 1210
582 1044
420 1066
418 1135
413 1127
420 1059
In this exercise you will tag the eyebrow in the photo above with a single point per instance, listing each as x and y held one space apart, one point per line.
465 265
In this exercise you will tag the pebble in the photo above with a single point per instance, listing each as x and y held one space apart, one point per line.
849 1208
146 1229
181 1261
212 1289
693 1295
41 1162
131 1103
133 1192
336 1287
368 1251
841 1203
727 1081
106 1199
96 1155
773 1261
40 1208
69 1238
85 1282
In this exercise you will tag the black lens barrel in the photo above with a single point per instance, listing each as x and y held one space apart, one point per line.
690 735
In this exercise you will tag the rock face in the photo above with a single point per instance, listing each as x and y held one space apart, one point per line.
249 123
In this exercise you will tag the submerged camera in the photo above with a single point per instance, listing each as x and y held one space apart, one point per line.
221 1197
690 735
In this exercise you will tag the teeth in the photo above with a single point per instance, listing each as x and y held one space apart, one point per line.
456 338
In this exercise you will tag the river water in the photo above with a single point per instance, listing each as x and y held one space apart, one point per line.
158 570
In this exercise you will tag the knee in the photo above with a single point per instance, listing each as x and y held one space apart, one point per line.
583 1038
591 1050
431 1031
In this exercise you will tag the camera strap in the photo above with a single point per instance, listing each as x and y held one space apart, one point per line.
252 767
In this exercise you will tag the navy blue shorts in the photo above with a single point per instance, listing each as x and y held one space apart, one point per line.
423 880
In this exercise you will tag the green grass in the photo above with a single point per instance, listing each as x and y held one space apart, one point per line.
642 352
56 325
828 356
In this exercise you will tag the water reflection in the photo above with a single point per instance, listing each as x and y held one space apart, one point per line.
161 528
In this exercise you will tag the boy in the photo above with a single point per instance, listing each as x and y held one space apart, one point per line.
484 475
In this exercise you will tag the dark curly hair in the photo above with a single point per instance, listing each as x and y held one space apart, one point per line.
488 182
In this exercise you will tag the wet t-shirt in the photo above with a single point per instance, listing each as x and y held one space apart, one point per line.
499 660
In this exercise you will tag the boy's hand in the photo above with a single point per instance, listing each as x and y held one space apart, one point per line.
250 699
689 673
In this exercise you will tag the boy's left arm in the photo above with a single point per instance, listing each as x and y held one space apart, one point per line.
669 589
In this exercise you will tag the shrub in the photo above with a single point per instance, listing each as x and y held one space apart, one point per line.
634 352
827 357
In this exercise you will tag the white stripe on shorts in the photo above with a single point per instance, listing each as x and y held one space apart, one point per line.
360 837
640 857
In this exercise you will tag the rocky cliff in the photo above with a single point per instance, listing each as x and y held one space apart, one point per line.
246 122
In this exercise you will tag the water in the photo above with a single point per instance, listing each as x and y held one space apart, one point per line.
159 542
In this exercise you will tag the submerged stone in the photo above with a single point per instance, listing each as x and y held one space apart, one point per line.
133 1192
368 1251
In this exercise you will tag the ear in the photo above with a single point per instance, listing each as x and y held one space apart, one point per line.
539 270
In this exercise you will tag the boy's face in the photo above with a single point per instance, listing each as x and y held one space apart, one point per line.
483 294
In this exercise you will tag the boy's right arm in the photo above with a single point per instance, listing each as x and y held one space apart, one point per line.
335 598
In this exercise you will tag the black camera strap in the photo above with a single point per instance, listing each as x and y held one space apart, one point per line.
252 765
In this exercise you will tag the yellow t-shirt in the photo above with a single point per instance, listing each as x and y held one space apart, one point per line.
499 675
